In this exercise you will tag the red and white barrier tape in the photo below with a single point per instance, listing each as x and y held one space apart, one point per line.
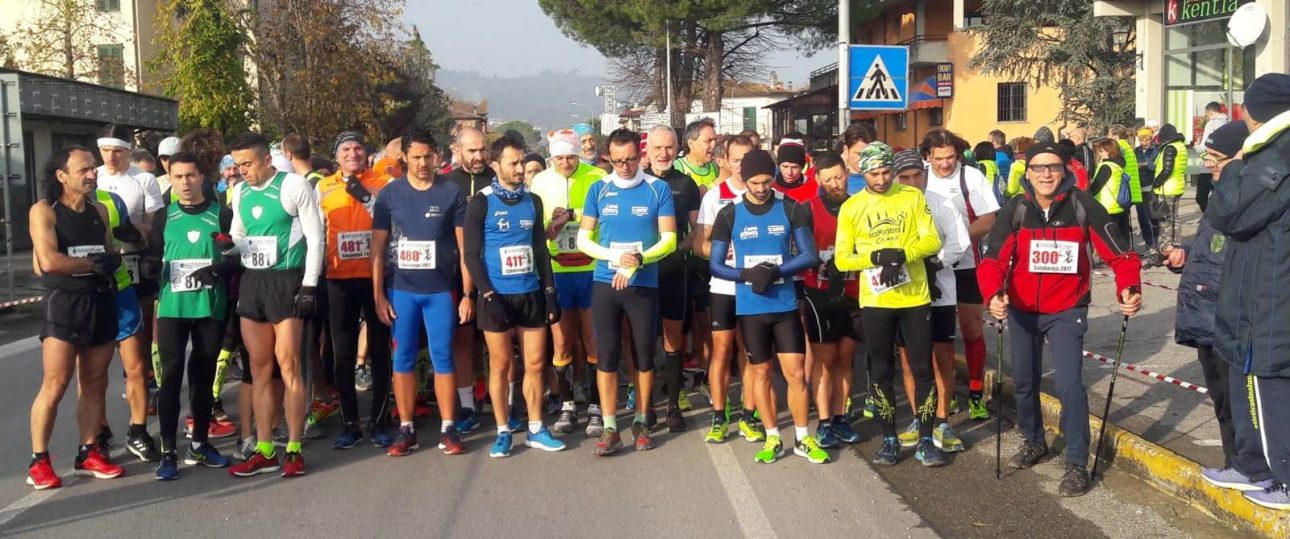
1146 282
18 302
1133 368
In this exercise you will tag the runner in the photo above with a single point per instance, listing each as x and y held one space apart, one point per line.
791 178
472 175
169 146
700 143
830 300
886 231
509 265
673 270
189 238
722 311
854 139
701 164
563 189
279 235
346 200
77 261
1037 251
587 151
631 216
420 216
765 232
953 232
976 204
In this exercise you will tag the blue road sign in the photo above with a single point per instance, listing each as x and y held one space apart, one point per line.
878 77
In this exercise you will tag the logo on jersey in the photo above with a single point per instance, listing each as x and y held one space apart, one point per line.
432 211
526 224
749 232
499 213
611 210
640 211
503 224
775 230
257 211
193 236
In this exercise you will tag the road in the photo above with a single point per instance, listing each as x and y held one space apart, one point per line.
683 487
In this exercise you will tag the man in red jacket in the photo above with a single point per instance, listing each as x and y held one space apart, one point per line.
1036 270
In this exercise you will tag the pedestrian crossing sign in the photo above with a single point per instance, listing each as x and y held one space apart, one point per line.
878 77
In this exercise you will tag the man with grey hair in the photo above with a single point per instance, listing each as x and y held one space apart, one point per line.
673 271
700 141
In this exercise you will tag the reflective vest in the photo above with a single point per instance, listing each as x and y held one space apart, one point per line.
123 278
1131 167
1015 174
1106 197
1176 183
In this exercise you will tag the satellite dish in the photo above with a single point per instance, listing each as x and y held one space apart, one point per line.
1246 25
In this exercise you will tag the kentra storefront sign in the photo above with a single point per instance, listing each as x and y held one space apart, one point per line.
1185 11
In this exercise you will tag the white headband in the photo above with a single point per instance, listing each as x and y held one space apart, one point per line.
110 142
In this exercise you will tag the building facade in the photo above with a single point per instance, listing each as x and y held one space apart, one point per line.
119 45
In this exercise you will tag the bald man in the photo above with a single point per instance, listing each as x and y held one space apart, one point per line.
1083 153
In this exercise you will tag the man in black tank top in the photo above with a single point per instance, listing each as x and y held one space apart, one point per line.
75 257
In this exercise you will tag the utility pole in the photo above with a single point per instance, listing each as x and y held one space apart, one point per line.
844 72
667 25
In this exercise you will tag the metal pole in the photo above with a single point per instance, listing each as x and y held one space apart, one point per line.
667 25
5 110
844 74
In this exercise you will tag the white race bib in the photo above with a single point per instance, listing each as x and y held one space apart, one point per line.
354 245
1052 256
871 275
567 240
416 255
131 263
180 270
82 251
517 260
753 260
621 247
260 252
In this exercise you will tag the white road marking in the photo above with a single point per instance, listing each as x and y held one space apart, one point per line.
20 346
748 512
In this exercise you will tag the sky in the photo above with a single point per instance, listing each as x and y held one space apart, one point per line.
514 37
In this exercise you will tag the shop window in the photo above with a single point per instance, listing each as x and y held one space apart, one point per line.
1012 102
902 121
936 117
107 6
111 65
975 18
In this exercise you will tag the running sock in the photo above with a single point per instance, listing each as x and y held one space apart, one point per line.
773 431
611 422
639 417
37 457
407 425
502 429
941 421
195 445
265 449
534 427
467 397
974 349
136 430
801 432
293 447
672 372
445 425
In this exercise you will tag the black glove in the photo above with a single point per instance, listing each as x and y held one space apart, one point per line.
760 276
206 276
887 257
834 276
149 267
553 311
306 302
223 242
105 264
356 190
933 265
127 234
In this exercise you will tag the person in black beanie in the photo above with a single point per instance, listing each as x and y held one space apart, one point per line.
791 178
1249 206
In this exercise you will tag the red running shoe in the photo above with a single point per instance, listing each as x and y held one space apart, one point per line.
609 442
96 465
294 466
450 442
255 465
41 475
404 443
218 428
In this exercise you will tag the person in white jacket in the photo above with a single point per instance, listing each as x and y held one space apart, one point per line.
1214 119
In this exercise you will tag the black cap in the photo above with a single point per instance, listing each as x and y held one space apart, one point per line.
1228 139
791 153
1046 147
1268 96
756 163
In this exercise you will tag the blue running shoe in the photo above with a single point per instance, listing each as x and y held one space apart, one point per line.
825 437
168 470
502 447
466 421
544 440
514 424
1276 497
1230 478
889 453
381 437
842 429
631 397
206 455
930 455
349 437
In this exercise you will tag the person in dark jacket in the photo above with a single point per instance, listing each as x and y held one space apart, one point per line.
1201 268
1250 207
1036 270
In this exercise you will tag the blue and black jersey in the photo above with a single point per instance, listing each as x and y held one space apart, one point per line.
506 244
778 232
627 219
423 238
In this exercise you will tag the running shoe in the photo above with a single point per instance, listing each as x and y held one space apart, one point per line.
691 364
842 429
675 421
1230 478
217 429
294 466
321 410
1275 496
717 432
640 433
825 436
256 465
1076 481
96 465
930 455
566 422
41 475
595 425
206 455
514 424
954 405
946 440
870 409
381 436
168 470
450 442
244 449
104 437
404 443
502 447
631 397
977 410
467 421
362 378
544 440
772 450
889 452
349 437
683 401
143 447
909 436
609 442
752 430
809 448
1028 455
217 411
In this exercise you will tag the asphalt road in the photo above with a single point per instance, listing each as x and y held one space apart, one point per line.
683 487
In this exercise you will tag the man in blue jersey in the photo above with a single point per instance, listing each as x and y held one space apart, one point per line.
420 216
765 232
508 262
628 225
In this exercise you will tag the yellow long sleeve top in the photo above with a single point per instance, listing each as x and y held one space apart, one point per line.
900 219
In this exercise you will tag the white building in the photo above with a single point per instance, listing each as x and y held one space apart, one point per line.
743 108
130 44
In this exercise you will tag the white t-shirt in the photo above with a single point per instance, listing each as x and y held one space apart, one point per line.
138 189
708 208
983 201
955 242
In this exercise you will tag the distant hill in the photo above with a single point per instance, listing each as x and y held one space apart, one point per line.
543 100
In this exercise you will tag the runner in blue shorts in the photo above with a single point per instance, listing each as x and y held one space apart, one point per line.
417 220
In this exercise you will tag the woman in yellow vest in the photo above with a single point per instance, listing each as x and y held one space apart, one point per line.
1107 177
1170 181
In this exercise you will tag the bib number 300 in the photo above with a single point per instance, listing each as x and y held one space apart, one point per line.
1054 256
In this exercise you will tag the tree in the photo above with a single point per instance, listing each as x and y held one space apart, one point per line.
63 40
413 97
201 48
531 135
1062 44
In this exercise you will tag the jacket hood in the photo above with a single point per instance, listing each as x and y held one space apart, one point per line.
1168 133
1044 134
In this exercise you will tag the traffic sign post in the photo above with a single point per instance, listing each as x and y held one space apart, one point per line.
878 77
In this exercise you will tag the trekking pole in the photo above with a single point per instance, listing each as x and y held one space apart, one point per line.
1106 410
998 408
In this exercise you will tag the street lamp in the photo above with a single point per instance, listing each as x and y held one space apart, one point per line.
1120 39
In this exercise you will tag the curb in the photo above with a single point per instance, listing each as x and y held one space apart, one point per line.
1157 466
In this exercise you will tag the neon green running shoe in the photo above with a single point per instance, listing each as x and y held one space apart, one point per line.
683 402
870 409
810 449
909 438
954 405
717 432
770 451
751 429
945 439
977 410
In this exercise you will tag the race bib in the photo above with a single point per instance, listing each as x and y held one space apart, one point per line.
620 247
131 263
1051 256
181 270
826 255
567 240
753 260
517 260
354 245
260 252
871 275
82 251
416 255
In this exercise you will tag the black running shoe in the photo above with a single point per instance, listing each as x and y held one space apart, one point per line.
144 447
675 421
1029 455
1076 482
